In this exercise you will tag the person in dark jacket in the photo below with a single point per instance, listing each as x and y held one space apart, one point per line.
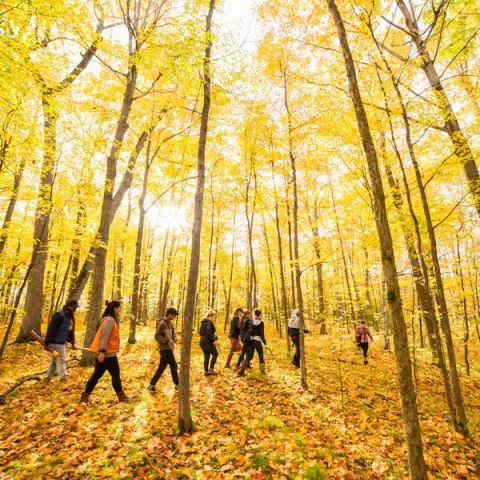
105 346
247 347
257 335
166 339
61 330
207 342
294 332
234 334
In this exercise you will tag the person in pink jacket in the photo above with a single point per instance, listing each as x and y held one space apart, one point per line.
362 334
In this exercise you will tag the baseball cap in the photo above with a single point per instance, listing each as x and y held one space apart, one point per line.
172 311
73 303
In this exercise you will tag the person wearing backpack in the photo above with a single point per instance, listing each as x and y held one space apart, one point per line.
207 342
245 336
257 334
362 334
234 335
105 346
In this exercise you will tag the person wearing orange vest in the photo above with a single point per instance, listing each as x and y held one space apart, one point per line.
105 345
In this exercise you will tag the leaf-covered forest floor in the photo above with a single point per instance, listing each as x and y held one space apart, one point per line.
260 426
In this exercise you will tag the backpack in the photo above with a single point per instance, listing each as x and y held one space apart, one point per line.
247 337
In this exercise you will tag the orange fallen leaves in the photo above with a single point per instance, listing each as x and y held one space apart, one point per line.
255 427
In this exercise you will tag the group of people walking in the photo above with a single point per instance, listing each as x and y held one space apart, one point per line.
246 335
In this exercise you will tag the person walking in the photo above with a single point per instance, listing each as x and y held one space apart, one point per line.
294 332
257 335
362 334
247 342
61 330
166 338
207 342
105 346
234 335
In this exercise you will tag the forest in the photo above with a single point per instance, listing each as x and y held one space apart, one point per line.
312 162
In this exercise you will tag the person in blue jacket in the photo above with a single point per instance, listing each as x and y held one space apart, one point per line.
61 330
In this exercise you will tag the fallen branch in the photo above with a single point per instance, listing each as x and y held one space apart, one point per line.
22 380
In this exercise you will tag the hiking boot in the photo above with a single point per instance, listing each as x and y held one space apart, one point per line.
46 379
227 366
176 387
84 398
237 367
122 397
365 362
151 388
212 372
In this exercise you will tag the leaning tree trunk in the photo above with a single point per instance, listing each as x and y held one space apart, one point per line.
418 470
459 141
103 234
185 422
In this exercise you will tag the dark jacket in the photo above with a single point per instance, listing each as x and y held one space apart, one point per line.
207 332
164 333
244 328
258 329
234 328
61 328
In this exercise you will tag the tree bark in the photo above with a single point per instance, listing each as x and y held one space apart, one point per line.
185 422
417 467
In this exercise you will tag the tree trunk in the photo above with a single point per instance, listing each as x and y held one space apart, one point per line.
185 422
34 300
34 297
459 140
103 234
11 204
344 259
422 274
280 262
296 250
466 326
418 470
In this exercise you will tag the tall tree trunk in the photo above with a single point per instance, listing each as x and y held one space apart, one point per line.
280 262
185 422
296 250
459 140
457 412
119 268
138 249
466 326
34 298
230 279
344 259
103 234
76 242
417 467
